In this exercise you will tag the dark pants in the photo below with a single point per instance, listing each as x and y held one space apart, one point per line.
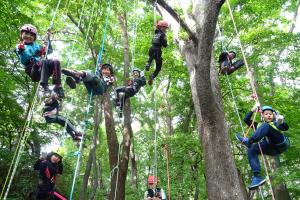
228 68
129 92
93 84
155 53
42 70
275 144
58 119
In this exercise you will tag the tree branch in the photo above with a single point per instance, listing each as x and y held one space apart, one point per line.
170 10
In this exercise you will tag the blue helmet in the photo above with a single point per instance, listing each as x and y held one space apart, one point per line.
267 108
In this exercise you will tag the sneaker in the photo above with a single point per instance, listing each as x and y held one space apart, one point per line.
150 81
147 67
71 73
71 82
46 92
59 91
243 140
77 138
79 134
120 113
256 182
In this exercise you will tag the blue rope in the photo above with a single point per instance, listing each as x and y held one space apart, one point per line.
99 60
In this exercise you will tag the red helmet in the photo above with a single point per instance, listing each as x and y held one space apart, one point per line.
151 180
29 28
162 23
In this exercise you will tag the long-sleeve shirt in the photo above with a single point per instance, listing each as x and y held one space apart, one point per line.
158 192
266 129
137 83
283 127
29 53
47 174
159 39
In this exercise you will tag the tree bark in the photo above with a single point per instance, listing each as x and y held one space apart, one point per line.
222 180
83 192
112 142
127 132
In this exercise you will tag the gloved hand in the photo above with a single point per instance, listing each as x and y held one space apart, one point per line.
279 119
41 52
21 46
255 108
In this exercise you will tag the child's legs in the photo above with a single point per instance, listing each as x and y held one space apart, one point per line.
262 131
56 72
46 73
158 61
57 119
151 54
237 64
254 151
70 128
34 71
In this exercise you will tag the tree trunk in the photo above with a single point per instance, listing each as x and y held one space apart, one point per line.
222 180
127 132
83 192
112 142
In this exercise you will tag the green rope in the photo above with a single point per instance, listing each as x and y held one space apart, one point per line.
25 135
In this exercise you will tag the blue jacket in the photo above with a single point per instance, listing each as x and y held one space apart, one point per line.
30 53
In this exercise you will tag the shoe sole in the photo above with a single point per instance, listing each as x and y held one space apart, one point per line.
257 185
71 82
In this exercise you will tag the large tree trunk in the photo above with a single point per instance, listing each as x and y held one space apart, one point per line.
83 192
112 142
127 132
222 180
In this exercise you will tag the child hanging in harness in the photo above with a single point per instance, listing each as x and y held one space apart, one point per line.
268 135
95 85
31 55
154 192
48 169
133 86
226 65
51 114
159 40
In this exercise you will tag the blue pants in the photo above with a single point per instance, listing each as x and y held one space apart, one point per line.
275 144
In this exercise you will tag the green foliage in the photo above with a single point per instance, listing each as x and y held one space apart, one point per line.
271 50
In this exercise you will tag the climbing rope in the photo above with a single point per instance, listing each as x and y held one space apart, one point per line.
99 59
168 171
72 50
24 134
229 83
253 89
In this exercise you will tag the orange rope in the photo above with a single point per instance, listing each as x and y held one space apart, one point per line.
168 174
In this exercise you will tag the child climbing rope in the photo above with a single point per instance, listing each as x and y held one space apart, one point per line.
97 85
49 168
133 86
154 192
51 114
32 54
226 65
159 40
273 143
